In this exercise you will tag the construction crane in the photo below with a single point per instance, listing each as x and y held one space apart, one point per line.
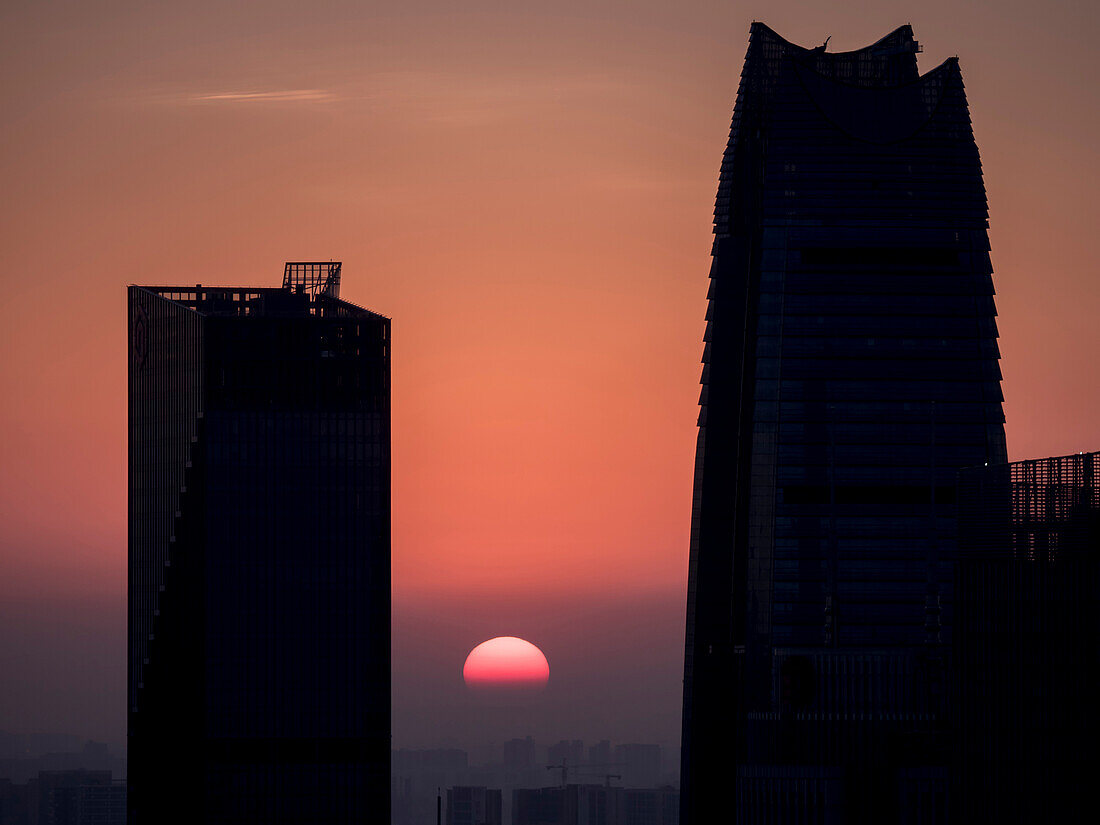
564 768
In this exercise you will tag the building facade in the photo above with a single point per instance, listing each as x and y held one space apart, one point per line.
1027 640
595 805
473 805
850 368
259 554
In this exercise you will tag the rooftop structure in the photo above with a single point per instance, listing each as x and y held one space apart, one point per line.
314 278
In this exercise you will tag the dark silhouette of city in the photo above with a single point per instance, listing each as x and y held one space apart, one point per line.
525 782
873 612
259 672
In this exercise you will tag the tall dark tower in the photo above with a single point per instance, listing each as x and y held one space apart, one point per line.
259 560
850 369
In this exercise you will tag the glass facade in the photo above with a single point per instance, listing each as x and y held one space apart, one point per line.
850 368
259 556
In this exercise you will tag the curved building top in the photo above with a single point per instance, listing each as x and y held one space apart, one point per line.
812 102
888 61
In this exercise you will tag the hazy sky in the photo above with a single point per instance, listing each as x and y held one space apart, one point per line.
526 189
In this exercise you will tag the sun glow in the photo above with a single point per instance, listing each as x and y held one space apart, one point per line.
506 662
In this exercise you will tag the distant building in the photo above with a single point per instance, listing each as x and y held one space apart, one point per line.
595 805
473 806
102 804
418 776
520 754
24 757
649 806
404 804
259 554
430 761
1027 642
600 753
569 805
850 369
68 797
61 794
639 765
522 765
16 803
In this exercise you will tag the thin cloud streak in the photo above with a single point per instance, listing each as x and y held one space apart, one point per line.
282 96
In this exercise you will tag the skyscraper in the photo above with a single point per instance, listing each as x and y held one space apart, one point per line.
850 368
259 554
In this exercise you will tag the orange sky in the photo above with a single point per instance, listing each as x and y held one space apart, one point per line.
526 190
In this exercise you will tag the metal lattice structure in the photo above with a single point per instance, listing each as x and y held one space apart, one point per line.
1032 509
314 277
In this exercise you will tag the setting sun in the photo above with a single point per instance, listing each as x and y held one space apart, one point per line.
506 662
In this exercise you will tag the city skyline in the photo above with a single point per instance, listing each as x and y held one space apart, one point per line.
533 211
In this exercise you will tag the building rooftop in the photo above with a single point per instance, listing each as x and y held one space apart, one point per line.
309 288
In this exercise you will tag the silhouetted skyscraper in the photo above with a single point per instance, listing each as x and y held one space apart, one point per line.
259 560
850 369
